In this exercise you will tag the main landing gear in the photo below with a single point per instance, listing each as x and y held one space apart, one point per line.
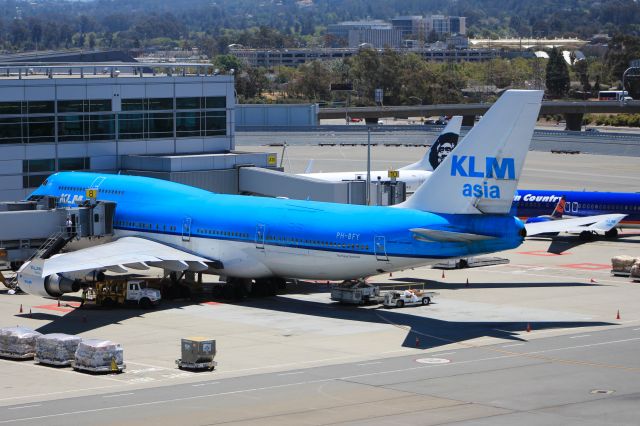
239 288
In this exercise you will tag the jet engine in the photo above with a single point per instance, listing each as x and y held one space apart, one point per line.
30 280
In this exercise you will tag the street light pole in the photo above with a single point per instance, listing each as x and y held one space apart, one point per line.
631 69
368 165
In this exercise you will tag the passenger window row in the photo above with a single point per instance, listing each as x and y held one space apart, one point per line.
80 189
143 225
223 233
318 243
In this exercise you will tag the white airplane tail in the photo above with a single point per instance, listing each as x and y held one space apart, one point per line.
481 174
440 148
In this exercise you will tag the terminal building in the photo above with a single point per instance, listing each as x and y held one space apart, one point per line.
89 116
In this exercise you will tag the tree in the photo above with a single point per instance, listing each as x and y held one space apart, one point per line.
581 68
557 74
314 81
227 63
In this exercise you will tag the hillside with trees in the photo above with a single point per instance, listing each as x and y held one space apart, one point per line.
214 24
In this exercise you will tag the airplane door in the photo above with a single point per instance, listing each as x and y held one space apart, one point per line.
186 229
260 231
380 248
575 207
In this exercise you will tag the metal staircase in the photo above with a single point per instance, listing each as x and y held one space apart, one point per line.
49 247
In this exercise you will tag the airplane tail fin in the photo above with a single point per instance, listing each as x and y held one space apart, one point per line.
559 210
481 174
440 148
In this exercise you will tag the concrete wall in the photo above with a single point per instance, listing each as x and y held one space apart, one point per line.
219 181
252 116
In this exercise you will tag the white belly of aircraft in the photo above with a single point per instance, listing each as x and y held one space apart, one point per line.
251 260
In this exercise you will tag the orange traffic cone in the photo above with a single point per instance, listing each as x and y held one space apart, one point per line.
443 274
528 328
618 315
417 341
58 303
593 281
20 311
390 274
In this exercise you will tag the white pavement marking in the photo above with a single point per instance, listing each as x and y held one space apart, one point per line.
515 344
147 365
291 374
446 353
205 384
118 395
59 392
580 336
24 406
57 370
370 363
165 401
636 329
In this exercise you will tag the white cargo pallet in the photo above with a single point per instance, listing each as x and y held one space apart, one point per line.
103 369
53 362
17 356
196 365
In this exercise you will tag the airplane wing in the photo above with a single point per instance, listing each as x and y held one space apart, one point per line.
447 236
309 168
602 223
124 254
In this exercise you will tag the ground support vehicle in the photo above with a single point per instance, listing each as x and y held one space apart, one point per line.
197 354
357 293
184 365
52 362
113 292
113 368
401 298
12 355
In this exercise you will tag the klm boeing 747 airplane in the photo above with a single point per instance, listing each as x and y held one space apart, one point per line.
462 210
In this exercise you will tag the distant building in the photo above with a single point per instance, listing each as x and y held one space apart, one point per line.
377 33
71 55
401 29
409 26
293 57
378 38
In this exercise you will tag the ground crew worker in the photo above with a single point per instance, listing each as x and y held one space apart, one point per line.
69 225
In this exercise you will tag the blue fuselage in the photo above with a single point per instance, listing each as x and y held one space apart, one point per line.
533 203
255 236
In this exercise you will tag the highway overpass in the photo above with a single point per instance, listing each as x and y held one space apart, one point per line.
573 112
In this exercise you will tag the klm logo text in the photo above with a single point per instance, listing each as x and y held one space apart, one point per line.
494 168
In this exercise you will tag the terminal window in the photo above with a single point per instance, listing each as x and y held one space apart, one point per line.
93 119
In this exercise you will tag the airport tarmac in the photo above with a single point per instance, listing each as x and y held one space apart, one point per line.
298 358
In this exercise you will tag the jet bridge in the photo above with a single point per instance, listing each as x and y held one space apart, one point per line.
25 226
272 183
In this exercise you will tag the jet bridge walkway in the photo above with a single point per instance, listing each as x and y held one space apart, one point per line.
29 226
272 183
